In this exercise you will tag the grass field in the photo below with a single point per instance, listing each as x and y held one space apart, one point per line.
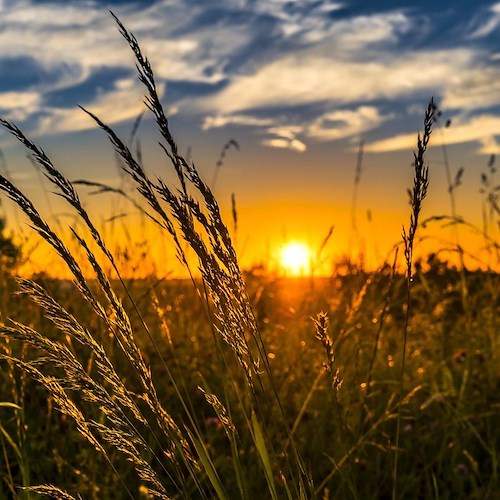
243 384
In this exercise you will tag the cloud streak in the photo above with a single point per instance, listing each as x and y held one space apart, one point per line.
490 24
481 129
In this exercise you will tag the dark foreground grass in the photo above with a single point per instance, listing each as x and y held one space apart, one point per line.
449 432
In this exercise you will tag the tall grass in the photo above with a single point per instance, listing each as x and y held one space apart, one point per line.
417 196
182 450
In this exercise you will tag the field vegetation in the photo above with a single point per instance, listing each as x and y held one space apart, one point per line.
244 383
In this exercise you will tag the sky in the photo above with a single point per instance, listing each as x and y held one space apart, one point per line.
298 84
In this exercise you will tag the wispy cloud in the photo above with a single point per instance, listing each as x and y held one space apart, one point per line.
472 89
18 105
346 123
488 23
285 137
311 77
333 125
121 103
285 143
483 130
220 120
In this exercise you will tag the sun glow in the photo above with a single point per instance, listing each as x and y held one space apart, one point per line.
295 259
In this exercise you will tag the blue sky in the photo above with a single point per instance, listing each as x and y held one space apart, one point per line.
293 72
297 83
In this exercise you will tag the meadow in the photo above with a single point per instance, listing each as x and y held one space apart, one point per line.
243 383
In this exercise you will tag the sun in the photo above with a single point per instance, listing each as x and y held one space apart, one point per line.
295 259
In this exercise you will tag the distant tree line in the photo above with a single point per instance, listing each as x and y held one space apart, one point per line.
10 253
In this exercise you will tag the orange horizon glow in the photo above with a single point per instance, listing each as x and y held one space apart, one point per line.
145 251
263 232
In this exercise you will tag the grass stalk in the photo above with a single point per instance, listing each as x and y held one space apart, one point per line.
417 195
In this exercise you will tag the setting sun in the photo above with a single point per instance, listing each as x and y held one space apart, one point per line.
295 258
